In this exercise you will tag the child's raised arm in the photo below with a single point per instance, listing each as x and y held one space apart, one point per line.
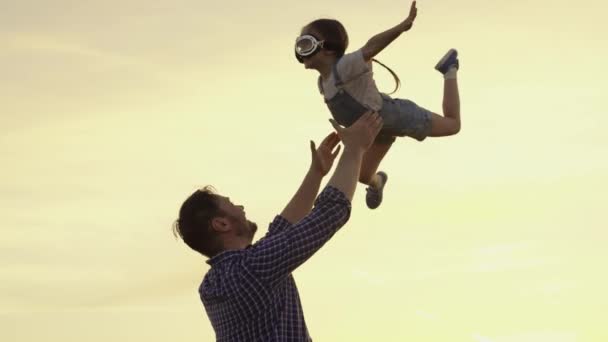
378 42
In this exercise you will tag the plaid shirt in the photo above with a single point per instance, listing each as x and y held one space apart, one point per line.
250 294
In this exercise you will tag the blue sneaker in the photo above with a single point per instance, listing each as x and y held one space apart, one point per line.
449 60
373 198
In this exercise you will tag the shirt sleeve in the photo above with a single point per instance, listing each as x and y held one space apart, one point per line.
277 255
278 225
352 65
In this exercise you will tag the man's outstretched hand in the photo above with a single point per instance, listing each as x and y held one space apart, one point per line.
323 157
362 133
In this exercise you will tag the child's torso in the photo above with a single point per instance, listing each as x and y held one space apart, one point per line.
356 78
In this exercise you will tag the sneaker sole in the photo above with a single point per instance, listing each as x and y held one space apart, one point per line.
384 177
444 58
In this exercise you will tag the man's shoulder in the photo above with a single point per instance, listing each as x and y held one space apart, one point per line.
224 266
229 278
220 278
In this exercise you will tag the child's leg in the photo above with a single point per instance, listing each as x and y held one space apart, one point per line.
371 160
449 123
368 175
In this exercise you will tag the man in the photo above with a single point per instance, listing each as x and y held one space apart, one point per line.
249 293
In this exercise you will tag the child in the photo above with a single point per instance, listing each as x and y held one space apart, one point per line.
349 90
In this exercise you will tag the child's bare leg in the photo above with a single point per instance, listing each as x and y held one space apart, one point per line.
371 160
449 123
368 174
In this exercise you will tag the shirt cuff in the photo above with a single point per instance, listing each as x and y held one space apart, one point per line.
333 194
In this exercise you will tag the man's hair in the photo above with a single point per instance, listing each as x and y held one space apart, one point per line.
194 222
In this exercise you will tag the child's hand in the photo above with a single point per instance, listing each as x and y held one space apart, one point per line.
407 23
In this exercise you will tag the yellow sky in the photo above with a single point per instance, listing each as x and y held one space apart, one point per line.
113 112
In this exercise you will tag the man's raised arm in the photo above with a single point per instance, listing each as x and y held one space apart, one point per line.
277 255
322 160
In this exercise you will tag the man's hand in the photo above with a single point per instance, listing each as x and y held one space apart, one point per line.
324 156
409 21
361 134
322 160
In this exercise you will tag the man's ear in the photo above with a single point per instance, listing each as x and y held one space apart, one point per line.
220 224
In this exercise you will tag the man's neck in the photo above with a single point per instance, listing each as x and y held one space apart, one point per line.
235 244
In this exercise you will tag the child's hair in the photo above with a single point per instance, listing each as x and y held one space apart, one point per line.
397 80
336 39
334 34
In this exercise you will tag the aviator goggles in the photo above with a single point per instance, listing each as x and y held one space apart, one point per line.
306 46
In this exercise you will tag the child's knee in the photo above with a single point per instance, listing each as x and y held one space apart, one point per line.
452 126
455 127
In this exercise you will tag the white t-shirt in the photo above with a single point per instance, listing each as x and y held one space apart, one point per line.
357 77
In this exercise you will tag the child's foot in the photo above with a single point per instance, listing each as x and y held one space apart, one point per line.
373 198
448 61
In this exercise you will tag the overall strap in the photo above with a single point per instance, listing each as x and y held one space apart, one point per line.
320 85
337 79
334 69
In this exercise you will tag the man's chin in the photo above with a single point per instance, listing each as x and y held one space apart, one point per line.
253 227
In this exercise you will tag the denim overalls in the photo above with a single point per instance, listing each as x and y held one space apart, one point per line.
401 117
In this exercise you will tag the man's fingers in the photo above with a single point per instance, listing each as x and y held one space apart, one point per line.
366 117
335 154
376 124
378 120
336 125
327 140
374 117
332 144
331 140
313 148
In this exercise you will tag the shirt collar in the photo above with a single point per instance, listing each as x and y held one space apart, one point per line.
225 255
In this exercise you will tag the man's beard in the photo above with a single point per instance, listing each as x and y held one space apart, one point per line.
253 227
246 228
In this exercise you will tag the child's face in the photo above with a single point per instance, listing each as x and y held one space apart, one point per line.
317 59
